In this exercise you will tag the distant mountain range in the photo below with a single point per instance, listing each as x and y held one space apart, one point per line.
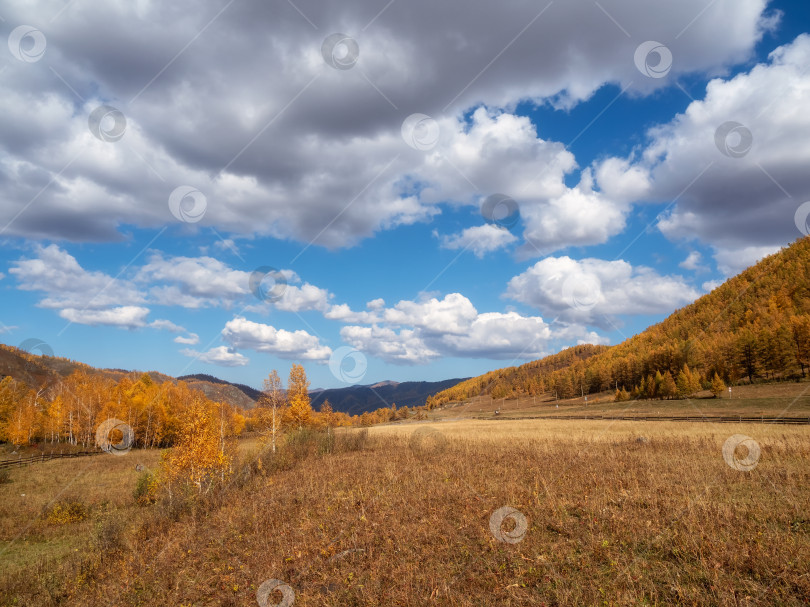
356 400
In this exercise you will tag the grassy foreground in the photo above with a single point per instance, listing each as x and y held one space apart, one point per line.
404 518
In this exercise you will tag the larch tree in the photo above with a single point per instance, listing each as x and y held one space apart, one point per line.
800 326
22 424
668 387
688 382
718 386
300 409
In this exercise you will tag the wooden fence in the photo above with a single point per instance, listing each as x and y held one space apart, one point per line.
44 457
717 419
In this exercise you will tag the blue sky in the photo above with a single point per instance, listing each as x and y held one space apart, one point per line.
304 160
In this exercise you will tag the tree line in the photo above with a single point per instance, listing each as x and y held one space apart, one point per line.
69 411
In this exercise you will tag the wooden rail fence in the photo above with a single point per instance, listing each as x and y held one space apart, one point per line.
44 457
718 419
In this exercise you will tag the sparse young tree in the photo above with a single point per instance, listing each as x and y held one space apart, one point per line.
272 398
327 415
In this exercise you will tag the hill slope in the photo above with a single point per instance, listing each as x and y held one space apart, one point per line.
755 325
39 372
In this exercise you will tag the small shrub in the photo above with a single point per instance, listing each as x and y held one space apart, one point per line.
5 476
110 533
277 462
303 443
621 396
145 489
183 500
65 512
326 443
353 440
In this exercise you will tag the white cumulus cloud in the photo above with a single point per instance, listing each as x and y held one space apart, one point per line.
480 239
126 317
220 356
595 291
241 333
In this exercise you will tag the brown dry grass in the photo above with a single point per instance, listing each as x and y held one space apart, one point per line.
787 399
611 521
102 483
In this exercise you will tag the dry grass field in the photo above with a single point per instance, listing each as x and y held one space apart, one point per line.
785 399
616 513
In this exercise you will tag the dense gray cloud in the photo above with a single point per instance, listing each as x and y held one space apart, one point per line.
237 101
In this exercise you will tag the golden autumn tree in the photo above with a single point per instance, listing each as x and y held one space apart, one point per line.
668 387
688 382
12 393
327 417
299 412
199 458
718 386
21 425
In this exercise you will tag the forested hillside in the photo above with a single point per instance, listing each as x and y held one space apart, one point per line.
43 372
46 399
71 409
755 326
